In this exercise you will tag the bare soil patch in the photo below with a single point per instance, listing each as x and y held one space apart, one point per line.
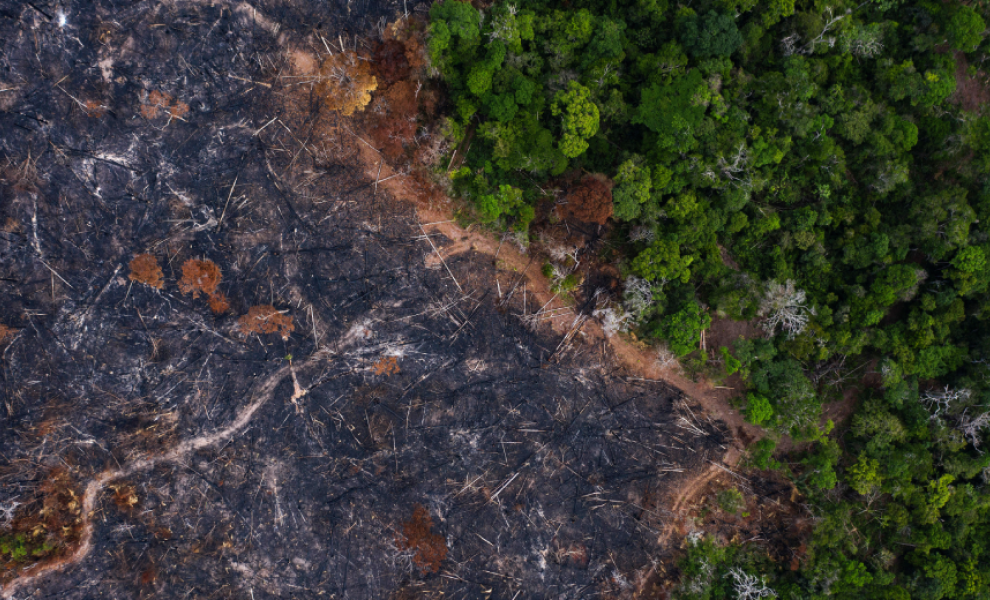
972 90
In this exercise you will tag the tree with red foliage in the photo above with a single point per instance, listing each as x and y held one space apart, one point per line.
391 64
590 201
395 118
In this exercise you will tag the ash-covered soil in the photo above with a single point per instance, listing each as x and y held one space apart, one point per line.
159 450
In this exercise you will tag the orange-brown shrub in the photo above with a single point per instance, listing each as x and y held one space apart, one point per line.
219 303
145 269
388 365
199 276
411 33
6 332
179 109
94 109
430 548
266 319
346 83
162 101
591 201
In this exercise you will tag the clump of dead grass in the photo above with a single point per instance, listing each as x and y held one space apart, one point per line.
124 496
42 528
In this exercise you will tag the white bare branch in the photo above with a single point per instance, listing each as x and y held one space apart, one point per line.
785 306
749 587
972 427
643 233
613 320
666 358
7 510
637 297
939 403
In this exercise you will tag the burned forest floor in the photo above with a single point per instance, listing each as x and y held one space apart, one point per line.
239 360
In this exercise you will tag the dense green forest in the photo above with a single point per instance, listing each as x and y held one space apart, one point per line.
823 146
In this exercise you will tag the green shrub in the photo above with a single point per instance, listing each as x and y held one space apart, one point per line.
731 500
758 409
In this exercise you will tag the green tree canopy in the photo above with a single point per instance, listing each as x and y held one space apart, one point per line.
713 34
579 118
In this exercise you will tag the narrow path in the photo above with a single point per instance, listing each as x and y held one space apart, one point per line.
262 394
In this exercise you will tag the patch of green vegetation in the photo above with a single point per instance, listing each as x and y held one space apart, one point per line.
731 363
22 548
730 500
761 455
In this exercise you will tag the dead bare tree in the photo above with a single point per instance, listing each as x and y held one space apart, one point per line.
504 25
939 403
613 320
789 45
786 306
749 587
665 358
972 427
637 298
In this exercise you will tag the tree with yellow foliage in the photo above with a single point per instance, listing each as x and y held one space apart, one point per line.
346 83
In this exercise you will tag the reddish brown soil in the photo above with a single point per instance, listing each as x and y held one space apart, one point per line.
972 91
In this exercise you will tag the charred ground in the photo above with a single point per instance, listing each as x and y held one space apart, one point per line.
176 130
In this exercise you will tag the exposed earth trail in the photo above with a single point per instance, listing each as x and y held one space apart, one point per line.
262 393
